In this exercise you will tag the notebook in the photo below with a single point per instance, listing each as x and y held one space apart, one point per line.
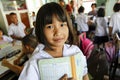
8 51
55 68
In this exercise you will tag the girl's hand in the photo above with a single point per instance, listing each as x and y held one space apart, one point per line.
65 77
5 62
17 62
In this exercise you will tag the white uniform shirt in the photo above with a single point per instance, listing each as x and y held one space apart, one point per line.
17 30
101 28
31 72
115 22
81 21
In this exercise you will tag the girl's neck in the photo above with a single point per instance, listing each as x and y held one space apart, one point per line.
55 52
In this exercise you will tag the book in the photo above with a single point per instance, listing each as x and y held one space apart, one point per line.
55 68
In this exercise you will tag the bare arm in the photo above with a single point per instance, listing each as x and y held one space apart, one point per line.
17 61
14 68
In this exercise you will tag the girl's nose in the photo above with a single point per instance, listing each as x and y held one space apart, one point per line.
57 31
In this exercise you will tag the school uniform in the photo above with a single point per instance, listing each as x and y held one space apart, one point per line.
31 71
101 30
81 21
115 22
17 30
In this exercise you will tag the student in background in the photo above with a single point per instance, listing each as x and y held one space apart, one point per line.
101 22
33 31
16 29
114 25
72 5
92 16
33 16
69 11
29 43
93 12
4 38
62 3
53 30
82 21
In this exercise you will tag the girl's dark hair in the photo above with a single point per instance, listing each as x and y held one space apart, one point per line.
30 40
101 12
44 17
81 9
116 7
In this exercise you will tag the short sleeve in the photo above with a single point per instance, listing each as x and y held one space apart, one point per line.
30 71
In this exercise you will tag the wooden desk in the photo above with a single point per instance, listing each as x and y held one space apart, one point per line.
5 70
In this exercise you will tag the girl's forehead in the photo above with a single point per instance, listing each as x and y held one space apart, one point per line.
57 17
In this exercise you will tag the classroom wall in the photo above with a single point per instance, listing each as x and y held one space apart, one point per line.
2 26
109 7
99 2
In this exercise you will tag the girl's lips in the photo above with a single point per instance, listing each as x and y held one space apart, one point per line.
58 39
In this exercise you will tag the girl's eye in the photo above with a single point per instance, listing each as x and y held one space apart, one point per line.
63 24
49 26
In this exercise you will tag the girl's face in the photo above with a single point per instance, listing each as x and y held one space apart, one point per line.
56 33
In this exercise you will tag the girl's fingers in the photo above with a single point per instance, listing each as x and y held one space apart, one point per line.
64 77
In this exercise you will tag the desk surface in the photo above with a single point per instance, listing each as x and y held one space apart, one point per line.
3 69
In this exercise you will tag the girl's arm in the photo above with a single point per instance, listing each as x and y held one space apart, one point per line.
14 68
17 61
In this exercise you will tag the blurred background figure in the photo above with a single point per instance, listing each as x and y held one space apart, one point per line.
82 21
29 43
4 38
93 12
114 25
33 16
62 3
17 30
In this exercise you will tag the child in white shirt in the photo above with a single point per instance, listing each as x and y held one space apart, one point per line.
101 21
16 29
53 30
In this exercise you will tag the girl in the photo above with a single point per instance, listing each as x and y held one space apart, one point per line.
101 28
29 43
53 30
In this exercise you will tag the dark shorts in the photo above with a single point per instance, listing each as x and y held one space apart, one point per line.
100 39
